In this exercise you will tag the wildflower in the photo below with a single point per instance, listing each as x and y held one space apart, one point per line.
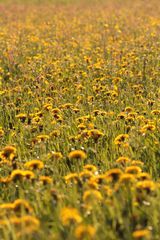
90 167
19 203
22 117
147 127
85 175
8 152
95 134
70 215
78 154
133 169
81 126
34 164
155 112
137 163
48 106
66 106
123 160
141 234
93 183
6 206
45 179
146 185
121 115
17 175
72 177
128 109
55 133
107 190
28 174
91 196
126 178
41 138
113 174
143 176
1 132
120 139
85 232
117 80
100 178
56 110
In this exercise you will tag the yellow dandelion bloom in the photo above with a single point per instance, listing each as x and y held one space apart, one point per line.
34 164
17 175
91 196
120 139
6 206
41 138
147 127
95 134
146 185
1 132
113 174
78 154
72 177
123 160
126 178
137 163
8 152
70 215
55 133
19 203
155 112
85 175
90 167
45 179
143 176
133 169
21 116
107 190
85 232
141 234
28 174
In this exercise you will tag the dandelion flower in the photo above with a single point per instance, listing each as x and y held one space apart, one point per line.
78 154
83 232
34 164
141 234
70 215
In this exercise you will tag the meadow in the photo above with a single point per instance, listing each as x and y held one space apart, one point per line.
80 120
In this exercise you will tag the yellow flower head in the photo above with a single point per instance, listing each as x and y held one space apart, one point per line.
78 154
21 203
34 164
72 177
120 139
90 167
91 196
133 169
141 234
123 160
113 174
95 134
83 232
8 152
45 179
70 215
146 185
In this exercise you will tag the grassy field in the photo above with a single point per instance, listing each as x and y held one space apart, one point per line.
80 120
